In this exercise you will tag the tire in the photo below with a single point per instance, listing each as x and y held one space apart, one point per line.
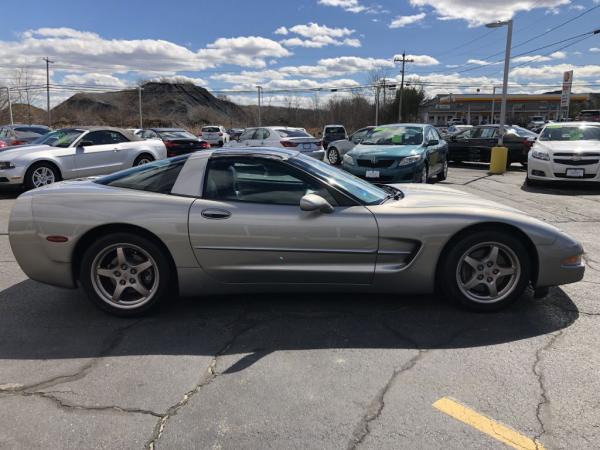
471 282
124 259
333 156
424 175
444 173
142 159
41 174
530 182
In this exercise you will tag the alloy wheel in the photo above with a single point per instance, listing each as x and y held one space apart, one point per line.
142 161
42 176
488 272
333 156
124 276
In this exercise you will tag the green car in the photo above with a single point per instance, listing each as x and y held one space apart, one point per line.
399 153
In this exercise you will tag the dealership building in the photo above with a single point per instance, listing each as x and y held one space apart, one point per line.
480 108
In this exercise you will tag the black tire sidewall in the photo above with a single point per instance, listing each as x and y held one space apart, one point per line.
330 150
449 285
28 181
126 238
142 156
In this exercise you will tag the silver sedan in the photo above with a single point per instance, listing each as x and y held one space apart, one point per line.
274 220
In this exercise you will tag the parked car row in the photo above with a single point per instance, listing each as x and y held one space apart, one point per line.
21 134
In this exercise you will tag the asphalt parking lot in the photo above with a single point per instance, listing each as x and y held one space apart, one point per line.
294 371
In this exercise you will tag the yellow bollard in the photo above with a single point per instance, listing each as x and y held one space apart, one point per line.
498 160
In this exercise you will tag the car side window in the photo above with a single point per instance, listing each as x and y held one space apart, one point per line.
262 134
96 138
247 135
358 136
431 136
116 137
489 133
257 180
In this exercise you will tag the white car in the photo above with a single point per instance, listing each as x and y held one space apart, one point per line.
292 138
74 153
215 135
565 151
337 149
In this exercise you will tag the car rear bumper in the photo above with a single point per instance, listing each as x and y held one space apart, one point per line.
541 170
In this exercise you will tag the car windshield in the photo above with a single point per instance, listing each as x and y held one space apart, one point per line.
394 135
522 132
176 134
570 133
293 133
361 190
59 138
210 130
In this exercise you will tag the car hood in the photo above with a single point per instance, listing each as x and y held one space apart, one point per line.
569 146
432 196
10 153
385 150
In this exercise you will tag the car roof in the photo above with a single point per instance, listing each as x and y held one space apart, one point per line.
166 129
576 123
388 125
28 125
282 153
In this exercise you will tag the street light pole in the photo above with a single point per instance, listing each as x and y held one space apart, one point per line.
377 104
48 62
509 24
259 88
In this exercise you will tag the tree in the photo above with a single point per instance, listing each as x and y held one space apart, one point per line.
413 97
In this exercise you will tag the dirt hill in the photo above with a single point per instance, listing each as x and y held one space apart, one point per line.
26 114
163 104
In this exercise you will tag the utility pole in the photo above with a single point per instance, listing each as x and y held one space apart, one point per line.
402 60
384 99
140 106
48 62
259 88
377 104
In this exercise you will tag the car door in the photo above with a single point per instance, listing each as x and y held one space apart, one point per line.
246 137
100 152
482 142
249 228
260 136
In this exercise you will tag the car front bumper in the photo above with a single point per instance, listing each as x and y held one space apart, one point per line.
402 174
541 170
12 176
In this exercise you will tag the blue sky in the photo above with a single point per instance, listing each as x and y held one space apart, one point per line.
234 45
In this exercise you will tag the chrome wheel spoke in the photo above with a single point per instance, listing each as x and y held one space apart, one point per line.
121 256
106 273
493 289
140 289
472 262
505 271
143 266
493 256
116 296
473 282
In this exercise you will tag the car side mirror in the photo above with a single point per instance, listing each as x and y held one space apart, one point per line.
85 143
314 202
433 142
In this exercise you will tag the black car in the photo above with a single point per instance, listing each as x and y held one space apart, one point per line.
21 134
179 142
475 144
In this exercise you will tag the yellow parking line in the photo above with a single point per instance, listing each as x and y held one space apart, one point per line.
486 425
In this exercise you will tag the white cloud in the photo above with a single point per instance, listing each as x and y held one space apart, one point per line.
183 79
555 72
95 79
402 21
484 11
594 49
479 62
421 60
82 51
353 6
281 30
313 35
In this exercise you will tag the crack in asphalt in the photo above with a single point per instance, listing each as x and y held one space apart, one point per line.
79 374
539 374
210 375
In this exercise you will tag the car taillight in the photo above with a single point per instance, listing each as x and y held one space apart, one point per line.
220 133
288 144
204 145
17 142
2 144
170 144
528 143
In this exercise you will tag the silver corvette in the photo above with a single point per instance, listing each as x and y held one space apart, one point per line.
76 152
238 220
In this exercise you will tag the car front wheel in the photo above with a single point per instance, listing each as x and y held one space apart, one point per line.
125 274
444 172
424 175
143 159
486 270
41 174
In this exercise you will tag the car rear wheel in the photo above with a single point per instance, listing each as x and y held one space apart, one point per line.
125 274
486 270
143 159
41 174
333 156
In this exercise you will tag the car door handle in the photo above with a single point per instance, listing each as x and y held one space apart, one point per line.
216 214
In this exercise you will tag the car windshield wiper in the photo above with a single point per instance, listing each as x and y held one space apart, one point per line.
393 192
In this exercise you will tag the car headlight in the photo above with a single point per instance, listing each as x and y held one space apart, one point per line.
540 155
6 165
348 160
410 160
